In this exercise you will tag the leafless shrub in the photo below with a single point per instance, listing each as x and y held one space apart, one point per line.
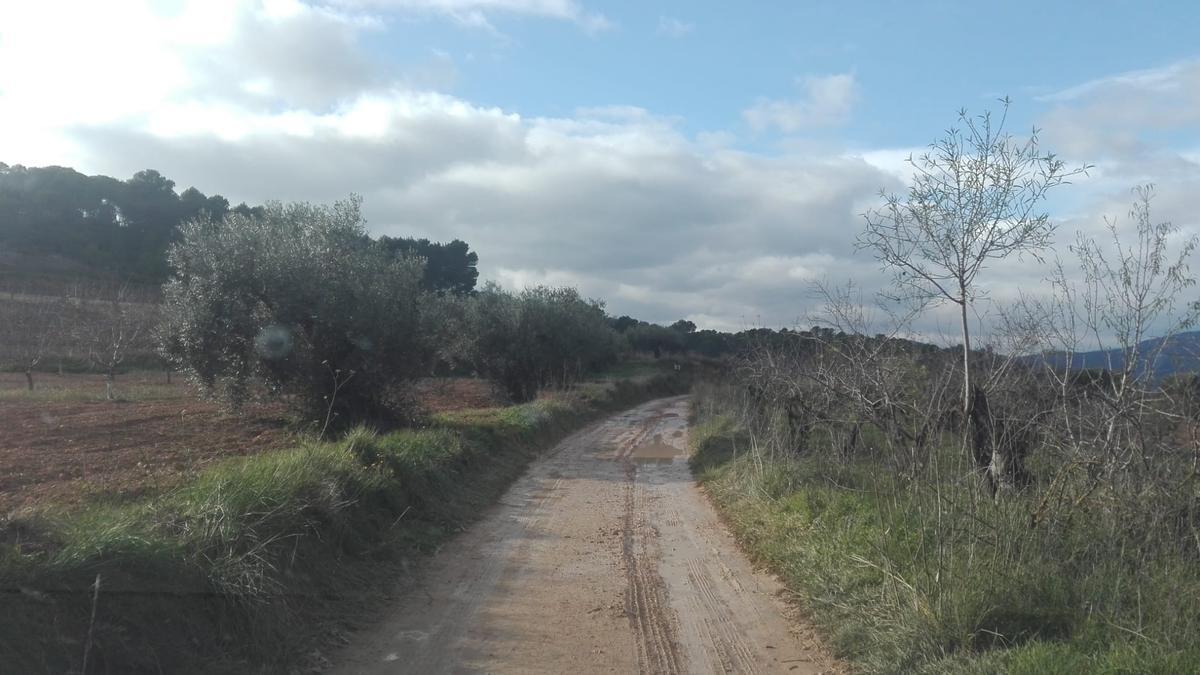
1117 431
31 328
110 324
851 387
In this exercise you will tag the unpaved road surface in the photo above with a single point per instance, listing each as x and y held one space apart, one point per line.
604 557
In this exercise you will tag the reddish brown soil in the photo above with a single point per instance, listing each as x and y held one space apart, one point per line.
71 443
59 451
444 394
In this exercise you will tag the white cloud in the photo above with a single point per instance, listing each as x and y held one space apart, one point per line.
476 12
1165 79
1136 127
895 161
673 27
617 200
629 210
827 102
1129 115
282 100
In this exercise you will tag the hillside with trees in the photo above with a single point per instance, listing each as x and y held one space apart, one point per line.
115 228
57 223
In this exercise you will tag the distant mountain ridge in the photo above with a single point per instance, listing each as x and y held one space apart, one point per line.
1179 354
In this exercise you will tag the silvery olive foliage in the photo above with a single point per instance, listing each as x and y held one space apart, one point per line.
301 299
540 337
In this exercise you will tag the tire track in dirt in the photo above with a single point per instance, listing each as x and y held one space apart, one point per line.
645 600
734 653
604 557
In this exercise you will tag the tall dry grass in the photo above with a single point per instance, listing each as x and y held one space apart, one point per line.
911 565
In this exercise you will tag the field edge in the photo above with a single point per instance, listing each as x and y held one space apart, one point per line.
270 559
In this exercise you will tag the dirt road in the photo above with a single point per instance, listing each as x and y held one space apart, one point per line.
604 557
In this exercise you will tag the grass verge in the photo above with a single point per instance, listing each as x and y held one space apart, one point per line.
261 561
907 575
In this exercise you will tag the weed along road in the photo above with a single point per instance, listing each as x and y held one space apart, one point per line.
604 557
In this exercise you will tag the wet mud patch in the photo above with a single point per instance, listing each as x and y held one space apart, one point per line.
656 452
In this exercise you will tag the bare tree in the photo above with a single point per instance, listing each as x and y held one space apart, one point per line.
1129 291
975 197
854 382
875 377
1132 291
32 324
117 325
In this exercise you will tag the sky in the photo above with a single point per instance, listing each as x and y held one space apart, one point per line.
698 160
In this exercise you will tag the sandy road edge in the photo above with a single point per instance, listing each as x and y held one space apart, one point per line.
790 603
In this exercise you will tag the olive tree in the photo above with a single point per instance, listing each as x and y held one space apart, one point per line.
299 298
975 197
655 339
541 337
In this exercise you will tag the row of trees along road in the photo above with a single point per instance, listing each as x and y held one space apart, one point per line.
299 298
117 234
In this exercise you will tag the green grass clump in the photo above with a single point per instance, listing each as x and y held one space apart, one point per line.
261 558
92 393
926 574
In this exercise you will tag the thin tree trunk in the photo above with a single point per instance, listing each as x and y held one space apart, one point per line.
976 424
29 378
966 336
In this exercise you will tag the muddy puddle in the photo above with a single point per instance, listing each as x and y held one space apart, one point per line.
656 452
